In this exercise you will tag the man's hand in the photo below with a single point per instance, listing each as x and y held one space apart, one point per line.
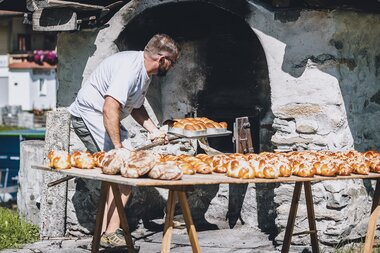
142 117
158 135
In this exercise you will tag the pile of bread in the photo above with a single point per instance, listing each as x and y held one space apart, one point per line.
264 165
129 164
198 124
274 165
59 159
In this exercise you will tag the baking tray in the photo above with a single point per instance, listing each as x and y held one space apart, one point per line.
198 134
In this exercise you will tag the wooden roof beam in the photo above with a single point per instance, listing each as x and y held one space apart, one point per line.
33 5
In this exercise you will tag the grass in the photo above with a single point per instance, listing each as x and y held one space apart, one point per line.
14 231
9 128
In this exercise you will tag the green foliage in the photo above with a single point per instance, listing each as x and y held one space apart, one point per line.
9 128
14 231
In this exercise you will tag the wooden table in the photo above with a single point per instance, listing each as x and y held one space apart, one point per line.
178 189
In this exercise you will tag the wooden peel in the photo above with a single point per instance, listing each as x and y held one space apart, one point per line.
155 144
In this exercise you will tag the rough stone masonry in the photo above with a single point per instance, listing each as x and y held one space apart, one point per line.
323 72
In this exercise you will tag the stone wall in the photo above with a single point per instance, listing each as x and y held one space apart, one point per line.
323 70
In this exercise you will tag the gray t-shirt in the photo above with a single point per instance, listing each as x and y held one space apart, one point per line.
122 76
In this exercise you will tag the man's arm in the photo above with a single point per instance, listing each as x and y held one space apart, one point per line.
111 120
142 117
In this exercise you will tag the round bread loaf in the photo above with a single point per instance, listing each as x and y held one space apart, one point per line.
113 161
210 125
139 164
189 127
166 171
223 124
178 125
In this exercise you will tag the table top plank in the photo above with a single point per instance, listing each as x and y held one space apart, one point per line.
189 180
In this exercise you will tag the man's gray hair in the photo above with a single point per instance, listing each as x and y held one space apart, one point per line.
162 43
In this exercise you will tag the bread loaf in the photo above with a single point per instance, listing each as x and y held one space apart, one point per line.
139 164
303 168
59 159
198 124
186 168
166 171
240 169
113 161
98 158
220 163
82 160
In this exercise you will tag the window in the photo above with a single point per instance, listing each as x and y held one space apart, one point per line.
43 88
23 42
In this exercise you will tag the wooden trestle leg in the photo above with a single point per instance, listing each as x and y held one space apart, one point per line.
189 222
292 217
311 217
99 217
293 214
375 212
123 218
168 229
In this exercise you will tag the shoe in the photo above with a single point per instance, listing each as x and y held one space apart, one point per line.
114 239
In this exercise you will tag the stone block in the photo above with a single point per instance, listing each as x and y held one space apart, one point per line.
306 126
25 119
30 180
291 111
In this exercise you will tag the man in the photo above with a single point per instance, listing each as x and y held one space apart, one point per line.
116 89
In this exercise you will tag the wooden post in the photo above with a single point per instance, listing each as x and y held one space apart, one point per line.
189 222
242 136
168 229
375 212
123 218
99 217
292 217
311 217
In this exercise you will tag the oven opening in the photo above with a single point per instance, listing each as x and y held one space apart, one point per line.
222 71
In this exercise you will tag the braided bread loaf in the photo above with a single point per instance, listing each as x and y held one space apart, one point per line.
186 168
220 163
240 169
59 159
82 160
373 159
198 165
98 158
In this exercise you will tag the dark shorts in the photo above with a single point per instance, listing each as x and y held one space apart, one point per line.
84 134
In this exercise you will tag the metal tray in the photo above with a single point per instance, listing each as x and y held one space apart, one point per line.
197 134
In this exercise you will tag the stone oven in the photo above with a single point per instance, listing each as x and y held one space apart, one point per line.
307 78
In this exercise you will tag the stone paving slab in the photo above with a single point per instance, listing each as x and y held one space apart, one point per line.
237 240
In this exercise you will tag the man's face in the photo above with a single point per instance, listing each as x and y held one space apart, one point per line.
164 65
162 69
